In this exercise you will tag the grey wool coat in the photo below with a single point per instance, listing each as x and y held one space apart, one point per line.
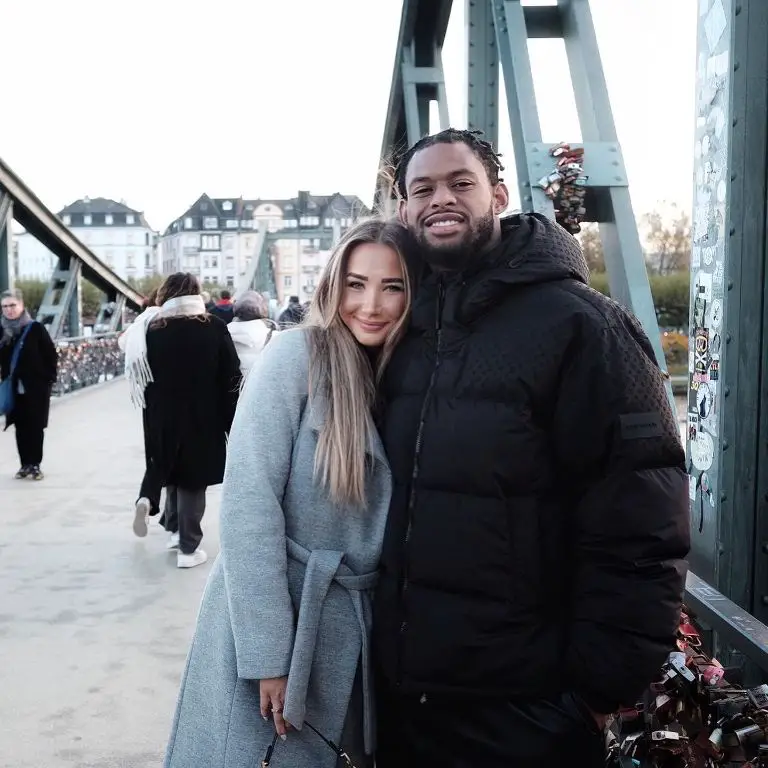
290 591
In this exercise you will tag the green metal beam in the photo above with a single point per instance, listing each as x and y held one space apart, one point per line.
417 80
483 71
6 241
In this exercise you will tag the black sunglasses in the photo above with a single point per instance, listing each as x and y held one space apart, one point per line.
340 753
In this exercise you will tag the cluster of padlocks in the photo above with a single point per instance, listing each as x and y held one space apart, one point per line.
566 186
691 717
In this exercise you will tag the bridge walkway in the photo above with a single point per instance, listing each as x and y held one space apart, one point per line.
94 623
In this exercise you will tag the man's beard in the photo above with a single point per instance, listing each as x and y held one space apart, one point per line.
455 257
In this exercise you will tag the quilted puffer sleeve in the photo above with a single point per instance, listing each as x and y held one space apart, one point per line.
618 441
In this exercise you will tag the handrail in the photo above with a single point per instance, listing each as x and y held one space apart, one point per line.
737 626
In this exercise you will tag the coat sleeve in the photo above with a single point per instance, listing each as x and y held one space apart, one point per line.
229 378
619 443
252 523
49 355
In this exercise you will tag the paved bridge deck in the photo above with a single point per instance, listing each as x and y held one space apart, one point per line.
94 623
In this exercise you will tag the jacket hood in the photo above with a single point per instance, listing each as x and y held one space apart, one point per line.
249 333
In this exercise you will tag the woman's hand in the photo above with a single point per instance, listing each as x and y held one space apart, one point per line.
272 698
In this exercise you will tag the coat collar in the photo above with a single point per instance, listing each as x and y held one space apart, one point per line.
317 409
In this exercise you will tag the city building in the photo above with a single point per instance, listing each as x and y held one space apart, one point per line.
217 238
117 234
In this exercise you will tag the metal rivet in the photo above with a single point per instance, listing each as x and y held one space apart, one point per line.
732 231
728 338
764 599
735 121
736 66
726 392
720 549
730 285
723 496
725 445
737 10
734 176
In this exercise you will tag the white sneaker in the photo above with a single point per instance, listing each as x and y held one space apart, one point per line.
141 516
198 557
173 541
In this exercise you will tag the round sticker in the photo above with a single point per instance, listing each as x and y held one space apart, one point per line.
702 451
709 255
716 313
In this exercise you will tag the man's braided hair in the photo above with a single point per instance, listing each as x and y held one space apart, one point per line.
483 150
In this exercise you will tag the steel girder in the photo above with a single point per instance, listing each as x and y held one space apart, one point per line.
6 241
497 35
417 80
728 361
61 308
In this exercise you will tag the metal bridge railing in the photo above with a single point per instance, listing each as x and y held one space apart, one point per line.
87 360
735 626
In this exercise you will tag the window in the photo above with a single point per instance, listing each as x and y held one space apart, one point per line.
230 281
67 219
211 243
210 222
287 281
226 205
215 261
188 223
87 219
129 218
129 262
231 223
148 260
191 241
108 218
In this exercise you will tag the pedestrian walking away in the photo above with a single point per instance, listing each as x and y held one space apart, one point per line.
185 374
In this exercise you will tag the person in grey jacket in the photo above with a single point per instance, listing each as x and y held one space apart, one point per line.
282 638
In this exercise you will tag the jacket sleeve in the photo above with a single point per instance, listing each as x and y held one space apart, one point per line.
252 523
49 355
229 378
618 443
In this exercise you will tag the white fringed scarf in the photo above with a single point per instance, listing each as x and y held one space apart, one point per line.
137 369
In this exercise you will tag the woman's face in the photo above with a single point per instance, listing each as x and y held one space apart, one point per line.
374 293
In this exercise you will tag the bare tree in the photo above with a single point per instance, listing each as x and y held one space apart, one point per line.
667 241
592 247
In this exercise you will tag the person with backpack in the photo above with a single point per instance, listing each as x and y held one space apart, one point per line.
28 369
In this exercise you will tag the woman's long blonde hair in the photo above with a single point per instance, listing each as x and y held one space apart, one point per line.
339 368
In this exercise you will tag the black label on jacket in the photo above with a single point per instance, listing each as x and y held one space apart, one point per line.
636 426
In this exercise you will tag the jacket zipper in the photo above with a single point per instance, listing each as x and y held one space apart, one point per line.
404 582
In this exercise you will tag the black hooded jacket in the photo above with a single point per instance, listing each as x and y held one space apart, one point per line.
539 522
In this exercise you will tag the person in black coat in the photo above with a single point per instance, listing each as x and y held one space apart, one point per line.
33 379
534 559
190 395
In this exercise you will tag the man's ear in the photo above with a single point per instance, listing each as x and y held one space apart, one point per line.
500 198
402 212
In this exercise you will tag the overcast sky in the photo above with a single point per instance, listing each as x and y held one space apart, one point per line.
158 101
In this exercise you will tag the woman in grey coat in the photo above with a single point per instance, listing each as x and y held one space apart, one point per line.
281 644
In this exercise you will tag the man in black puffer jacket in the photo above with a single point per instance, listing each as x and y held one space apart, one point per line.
533 563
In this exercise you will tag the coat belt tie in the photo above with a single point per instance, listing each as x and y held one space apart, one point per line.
324 567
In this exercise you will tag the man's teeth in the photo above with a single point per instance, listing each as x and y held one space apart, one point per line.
447 223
